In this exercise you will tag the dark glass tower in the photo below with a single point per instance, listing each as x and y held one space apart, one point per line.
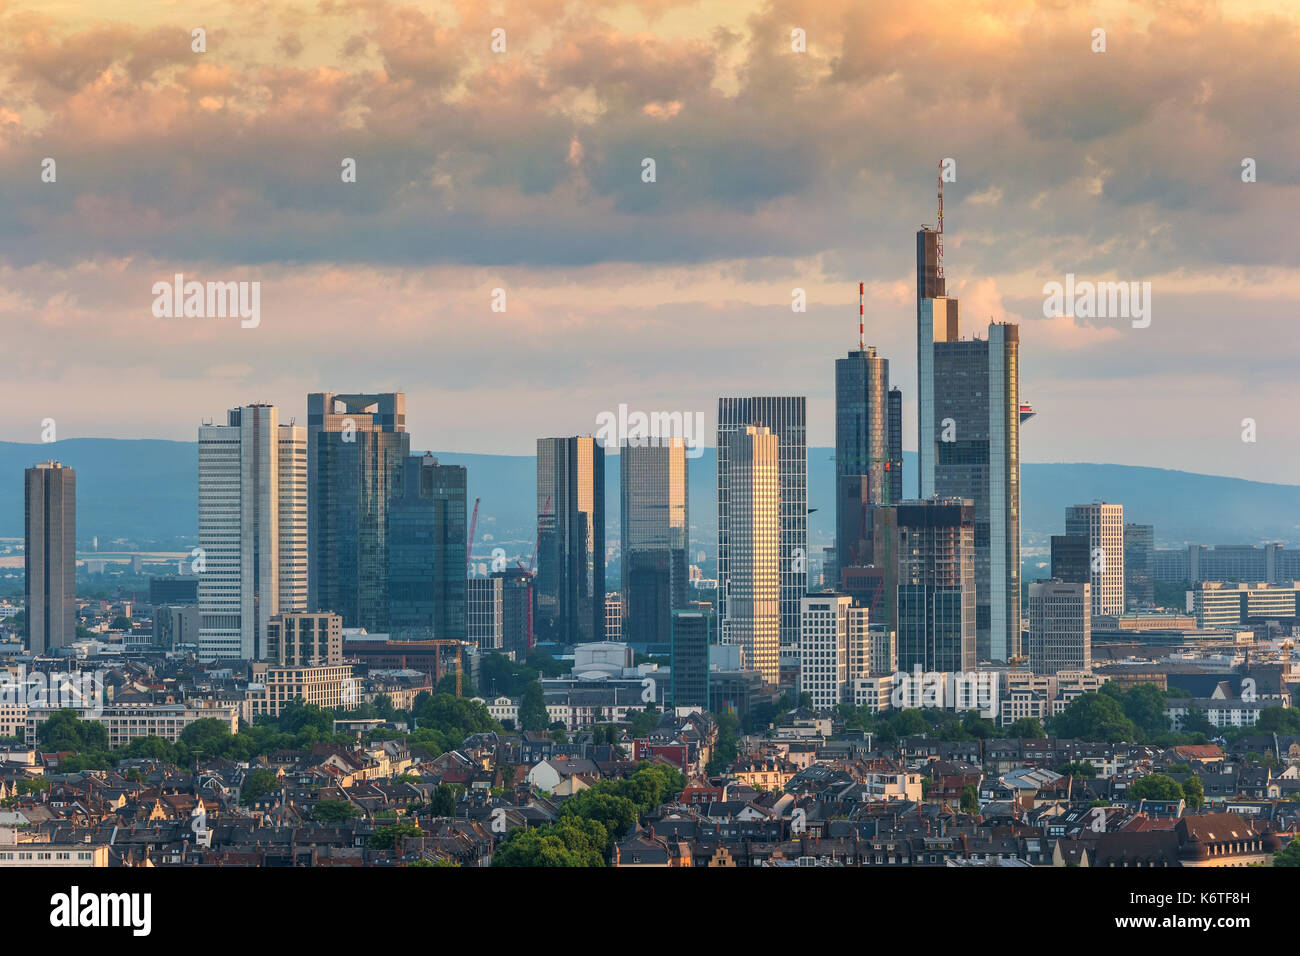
936 585
1139 563
691 635
50 556
356 448
868 452
427 589
570 586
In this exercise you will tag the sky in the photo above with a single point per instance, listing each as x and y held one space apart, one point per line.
775 170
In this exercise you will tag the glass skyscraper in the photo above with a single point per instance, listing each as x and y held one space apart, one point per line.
570 585
754 582
868 452
427 552
968 393
357 446
653 530
936 585
786 417
1139 563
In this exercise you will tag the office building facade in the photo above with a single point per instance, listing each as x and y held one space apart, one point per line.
691 634
49 556
754 581
786 418
357 446
570 583
252 530
654 524
427 552
1060 627
1103 525
936 585
1139 564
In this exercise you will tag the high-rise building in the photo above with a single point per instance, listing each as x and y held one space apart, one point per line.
500 614
174 590
868 452
824 648
1071 560
936 585
655 522
754 580
570 584
252 530
1060 627
786 418
968 393
50 556
614 621
427 552
1103 525
305 639
357 446
691 633
1139 564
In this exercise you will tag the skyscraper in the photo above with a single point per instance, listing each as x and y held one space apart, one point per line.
936 585
50 556
357 447
968 392
1139 563
1060 627
1103 526
427 552
754 581
1070 558
653 529
691 633
785 418
868 452
252 530
570 585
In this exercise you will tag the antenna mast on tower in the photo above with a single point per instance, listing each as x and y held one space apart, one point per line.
938 239
862 335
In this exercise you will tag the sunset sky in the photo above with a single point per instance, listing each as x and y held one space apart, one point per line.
775 170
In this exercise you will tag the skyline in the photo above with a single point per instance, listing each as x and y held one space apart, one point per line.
655 295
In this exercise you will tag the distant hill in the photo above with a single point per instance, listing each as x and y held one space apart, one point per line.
145 493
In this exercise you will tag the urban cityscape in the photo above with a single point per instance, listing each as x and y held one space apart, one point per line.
831 615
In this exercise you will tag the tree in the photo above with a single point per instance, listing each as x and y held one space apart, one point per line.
1078 768
1155 786
1145 706
257 785
1095 717
334 811
970 799
390 836
1289 855
120 623
64 731
727 747
570 841
1194 793
1026 728
532 709
443 803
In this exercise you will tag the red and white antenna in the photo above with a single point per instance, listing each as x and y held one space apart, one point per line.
862 334
938 239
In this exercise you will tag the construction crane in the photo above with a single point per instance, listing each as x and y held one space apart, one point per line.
537 546
469 546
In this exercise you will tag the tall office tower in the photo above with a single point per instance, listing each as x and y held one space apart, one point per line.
252 530
824 649
786 418
427 552
690 634
868 452
50 556
754 583
306 639
936 585
1060 627
655 521
1103 526
570 585
969 417
356 447
516 612
1139 564
485 612
1070 558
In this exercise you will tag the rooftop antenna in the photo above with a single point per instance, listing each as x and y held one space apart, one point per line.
938 240
862 337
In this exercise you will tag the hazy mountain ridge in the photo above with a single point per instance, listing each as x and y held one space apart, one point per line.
146 491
